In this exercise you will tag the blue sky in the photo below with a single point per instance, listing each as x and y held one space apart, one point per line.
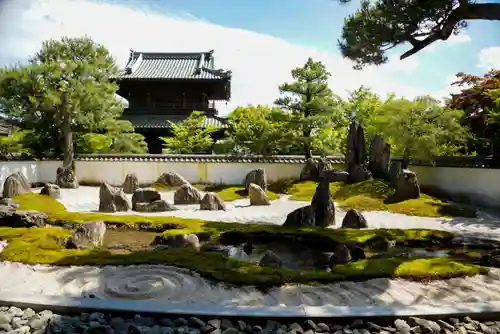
260 40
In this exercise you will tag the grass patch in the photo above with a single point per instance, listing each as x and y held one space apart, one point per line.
227 193
376 195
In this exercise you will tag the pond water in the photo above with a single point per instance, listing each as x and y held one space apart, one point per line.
293 256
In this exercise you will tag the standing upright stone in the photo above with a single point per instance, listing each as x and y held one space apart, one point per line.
356 153
130 184
258 177
394 172
322 205
407 186
313 170
380 157
66 178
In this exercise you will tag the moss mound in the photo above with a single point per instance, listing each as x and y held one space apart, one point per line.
376 195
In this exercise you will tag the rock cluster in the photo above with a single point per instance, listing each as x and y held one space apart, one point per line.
256 176
112 199
313 170
321 212
15 320
149 200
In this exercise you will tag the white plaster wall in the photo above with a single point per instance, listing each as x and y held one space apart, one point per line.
478 185
114 172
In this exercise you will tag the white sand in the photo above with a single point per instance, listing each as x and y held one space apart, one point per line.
165 283
86 199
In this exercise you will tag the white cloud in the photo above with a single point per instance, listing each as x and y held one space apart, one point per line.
489 58
461 38
259 62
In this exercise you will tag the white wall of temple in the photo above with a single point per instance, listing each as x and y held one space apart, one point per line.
477 185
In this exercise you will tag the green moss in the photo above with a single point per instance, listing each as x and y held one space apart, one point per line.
46 245
57 213
375 195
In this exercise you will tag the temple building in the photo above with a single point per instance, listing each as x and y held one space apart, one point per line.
163 87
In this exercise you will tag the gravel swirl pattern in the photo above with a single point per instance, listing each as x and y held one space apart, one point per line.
170 284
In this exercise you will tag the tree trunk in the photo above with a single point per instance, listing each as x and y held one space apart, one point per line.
307 150
406 160
68 138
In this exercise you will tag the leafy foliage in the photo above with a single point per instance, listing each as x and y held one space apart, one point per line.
420 128
309 101
14 144
380 25
65 88
478 101
261 130
190 136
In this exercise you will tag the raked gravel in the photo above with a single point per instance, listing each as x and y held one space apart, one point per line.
86 199
15 320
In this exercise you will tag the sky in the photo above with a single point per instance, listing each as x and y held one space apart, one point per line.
260 41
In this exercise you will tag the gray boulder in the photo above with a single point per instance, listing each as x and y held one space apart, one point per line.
171 179
112 199
313 170
155 206
11 217
212 201
301 217
271 260
256 176
187 194
66 178
354 219
257 195
130 184
407 186
145 195
52 190
15 184
177 241
323 206
87 235
380 158
356 153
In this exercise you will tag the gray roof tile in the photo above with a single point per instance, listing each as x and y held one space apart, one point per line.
161 121
172 66
201 158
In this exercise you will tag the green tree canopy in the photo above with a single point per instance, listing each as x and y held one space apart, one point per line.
261 130
420 128
65 88
191 135
309 101
380 25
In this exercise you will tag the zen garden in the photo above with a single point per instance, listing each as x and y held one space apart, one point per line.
342 231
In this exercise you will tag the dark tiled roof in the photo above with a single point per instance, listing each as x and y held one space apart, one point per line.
172 66
161 121
284 159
